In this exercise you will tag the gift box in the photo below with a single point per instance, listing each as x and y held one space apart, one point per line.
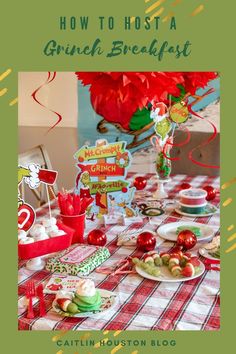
80 260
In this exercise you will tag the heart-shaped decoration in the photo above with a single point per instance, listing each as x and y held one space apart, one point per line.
26 217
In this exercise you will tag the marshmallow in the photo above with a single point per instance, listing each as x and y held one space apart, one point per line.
57 233
37 229
49 222
40 237
53 228
26 241
86 287
21 234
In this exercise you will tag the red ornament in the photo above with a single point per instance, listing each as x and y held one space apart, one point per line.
187 239
140 183
211 192
124 190
97 238
146 241
185 186
81 159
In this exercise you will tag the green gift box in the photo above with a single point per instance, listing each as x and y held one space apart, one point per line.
79 260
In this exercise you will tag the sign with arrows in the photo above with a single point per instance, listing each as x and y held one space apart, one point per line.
99 166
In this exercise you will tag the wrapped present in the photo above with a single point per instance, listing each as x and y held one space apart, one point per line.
79 260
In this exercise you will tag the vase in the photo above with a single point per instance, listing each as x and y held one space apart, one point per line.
163 171
163 166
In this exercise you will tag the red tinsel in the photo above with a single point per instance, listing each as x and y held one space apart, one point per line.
195 80
116 96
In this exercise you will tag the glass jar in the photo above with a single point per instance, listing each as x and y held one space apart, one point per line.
163 165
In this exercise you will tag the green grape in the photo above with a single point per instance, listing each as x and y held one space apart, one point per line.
156 272
151 263
158 261
182 262
144 265
135 260
149 270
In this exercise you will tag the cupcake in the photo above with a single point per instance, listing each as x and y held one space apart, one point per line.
87 298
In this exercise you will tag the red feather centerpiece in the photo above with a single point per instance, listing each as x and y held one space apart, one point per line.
116 96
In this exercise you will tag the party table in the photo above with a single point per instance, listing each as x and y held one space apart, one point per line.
143 304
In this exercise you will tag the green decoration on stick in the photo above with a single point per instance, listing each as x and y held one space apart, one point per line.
163 127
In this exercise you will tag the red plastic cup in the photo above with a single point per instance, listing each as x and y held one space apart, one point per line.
47 176
77 223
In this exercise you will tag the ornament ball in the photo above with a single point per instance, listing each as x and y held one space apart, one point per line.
211 192
97 238
185 186
140 183
146 241
187 239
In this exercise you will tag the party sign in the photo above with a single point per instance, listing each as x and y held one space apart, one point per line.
179 113
26 217
32 175
102 173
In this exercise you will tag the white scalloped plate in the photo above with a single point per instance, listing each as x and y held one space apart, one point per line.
166 275
168 231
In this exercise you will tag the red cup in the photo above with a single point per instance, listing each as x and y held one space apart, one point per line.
47 176
77 223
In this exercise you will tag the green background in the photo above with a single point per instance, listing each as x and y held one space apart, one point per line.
25 27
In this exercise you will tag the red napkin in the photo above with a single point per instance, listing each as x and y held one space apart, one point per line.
72 204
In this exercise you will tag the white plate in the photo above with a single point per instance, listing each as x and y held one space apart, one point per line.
109 300
205 253
168 231
166 275
210 210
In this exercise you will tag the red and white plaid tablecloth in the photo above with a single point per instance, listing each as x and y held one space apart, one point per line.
142 304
